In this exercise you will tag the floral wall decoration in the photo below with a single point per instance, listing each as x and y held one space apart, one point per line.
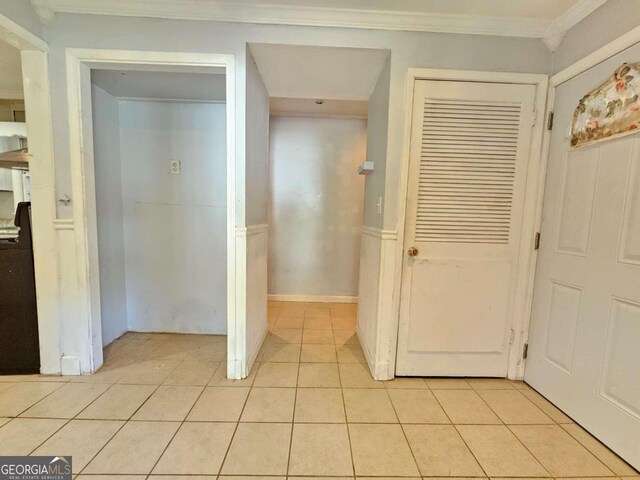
610 110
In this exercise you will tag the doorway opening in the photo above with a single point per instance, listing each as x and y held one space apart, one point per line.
327 129
154 144
159 141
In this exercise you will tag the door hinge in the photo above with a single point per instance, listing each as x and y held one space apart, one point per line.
535 119
550 121
512 337
525 351
536 242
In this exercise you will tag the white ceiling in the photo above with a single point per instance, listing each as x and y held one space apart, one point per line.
198 87
547 19
10 72
295 71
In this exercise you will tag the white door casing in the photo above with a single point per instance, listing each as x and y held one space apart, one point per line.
585 325
467 185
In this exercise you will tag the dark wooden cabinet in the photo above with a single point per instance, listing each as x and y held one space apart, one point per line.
19 346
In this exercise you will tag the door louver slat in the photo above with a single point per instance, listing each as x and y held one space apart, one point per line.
467 171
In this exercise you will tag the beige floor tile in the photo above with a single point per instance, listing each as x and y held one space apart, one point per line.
4 420
197 449
173 477
465 407
169 403
280 352
380 450
285 335
288 309
219 404
250 477
356 375
215 352
289 322
368 405
560 453
320 450
22 435
406 382
322 337
150 372
6 386
276 375
269 405
606 456
319 405
259 449
220 379
347 309
351 354
67 401
513 408
109 373
317 311
118 403
490 383
318 323
33 378
20 397
134 449
345 323
318 375
447 384
345 336
546 406
439 450
499 452
417 406
192 371
112 477
80 439
312 353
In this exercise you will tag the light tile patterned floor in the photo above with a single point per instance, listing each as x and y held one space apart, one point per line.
161 408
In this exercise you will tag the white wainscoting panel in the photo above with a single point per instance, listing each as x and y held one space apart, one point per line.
376 329
256 325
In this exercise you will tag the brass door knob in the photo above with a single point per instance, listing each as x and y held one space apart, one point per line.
412 252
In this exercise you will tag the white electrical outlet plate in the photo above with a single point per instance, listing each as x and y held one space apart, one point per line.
175 168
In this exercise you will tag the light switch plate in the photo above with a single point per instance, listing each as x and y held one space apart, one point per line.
175 168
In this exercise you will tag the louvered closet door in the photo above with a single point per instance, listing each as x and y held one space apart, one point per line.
467 182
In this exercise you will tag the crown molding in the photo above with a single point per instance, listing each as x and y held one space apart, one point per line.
44 11
225 11
557 28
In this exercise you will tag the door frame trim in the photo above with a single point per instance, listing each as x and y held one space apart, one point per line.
87 328
532 208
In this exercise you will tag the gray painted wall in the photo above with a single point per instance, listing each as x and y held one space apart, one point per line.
408 49
315 205
175 225
607 23
377 124
22 12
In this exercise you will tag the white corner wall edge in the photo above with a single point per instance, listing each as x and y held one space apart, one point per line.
276 297
377 334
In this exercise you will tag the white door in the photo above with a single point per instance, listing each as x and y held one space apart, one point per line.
468 172
584 341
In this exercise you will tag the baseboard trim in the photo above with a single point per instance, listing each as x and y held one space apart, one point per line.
312 298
